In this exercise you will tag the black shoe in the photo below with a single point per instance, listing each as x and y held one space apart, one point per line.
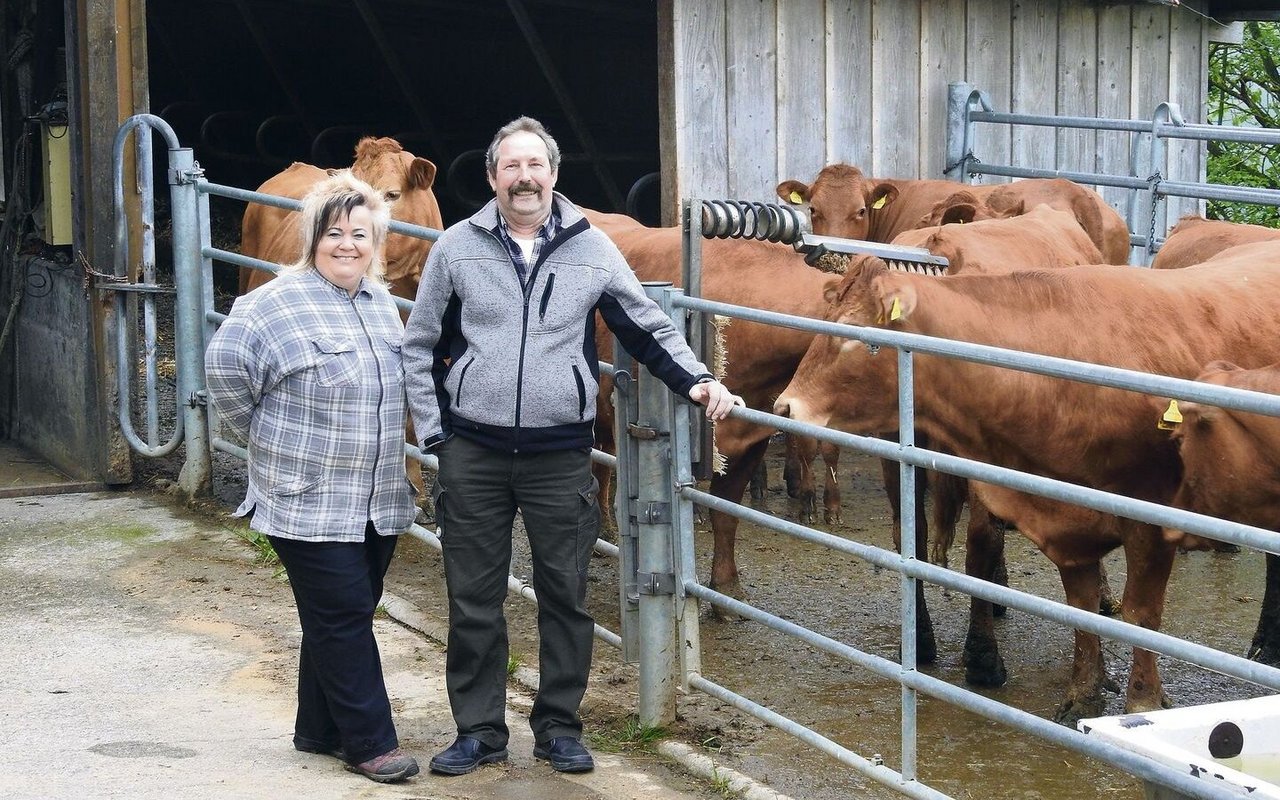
319 748
464 755
566 754
390 767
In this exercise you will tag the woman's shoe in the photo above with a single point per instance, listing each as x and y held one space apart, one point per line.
389 767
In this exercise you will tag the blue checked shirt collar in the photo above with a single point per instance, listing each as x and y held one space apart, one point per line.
545 234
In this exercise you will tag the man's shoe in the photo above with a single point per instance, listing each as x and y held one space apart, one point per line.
319 748
566 754
465 755
389 767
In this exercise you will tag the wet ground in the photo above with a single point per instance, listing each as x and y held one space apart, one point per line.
1213 600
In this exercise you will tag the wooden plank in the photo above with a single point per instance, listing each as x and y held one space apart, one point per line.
1077 82
1115 32
701 135
751 97
849 84
670 113
942 61
1150 87
895 112
1188 79
1035 67
988 60
802 73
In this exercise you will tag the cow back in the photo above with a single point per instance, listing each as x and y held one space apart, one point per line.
1044 238
1195 240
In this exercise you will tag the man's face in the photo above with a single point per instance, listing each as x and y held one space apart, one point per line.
523 179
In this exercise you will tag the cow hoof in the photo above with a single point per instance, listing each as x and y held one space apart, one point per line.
999 611
1072 711
1268 654
1109 607
1111 684
988 672
833 518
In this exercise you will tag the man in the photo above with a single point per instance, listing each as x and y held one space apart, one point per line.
502 377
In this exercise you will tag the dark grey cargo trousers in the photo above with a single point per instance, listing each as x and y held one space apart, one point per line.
478 491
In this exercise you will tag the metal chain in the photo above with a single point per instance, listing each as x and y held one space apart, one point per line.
1153 179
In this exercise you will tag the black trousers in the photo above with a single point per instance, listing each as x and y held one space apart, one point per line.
342 699
478 491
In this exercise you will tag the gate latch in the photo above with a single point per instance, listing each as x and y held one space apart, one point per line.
655 513
197 399
656 583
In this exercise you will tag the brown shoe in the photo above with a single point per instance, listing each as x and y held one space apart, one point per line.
389 767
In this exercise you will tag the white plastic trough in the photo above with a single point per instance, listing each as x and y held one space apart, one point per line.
1236 744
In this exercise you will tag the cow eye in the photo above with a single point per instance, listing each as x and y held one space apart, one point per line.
391 195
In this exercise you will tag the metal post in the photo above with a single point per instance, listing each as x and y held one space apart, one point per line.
958 129
189 318
655 561
701 341
907 546
688 637
626 492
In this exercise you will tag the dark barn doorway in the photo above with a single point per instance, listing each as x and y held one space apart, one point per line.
253 86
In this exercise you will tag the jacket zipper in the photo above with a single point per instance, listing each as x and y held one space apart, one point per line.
582 392
373 483
462 376
546 298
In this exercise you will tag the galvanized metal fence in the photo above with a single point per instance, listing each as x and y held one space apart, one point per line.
1147 177
658 588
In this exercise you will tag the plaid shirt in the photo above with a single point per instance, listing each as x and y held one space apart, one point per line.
313 376
545 234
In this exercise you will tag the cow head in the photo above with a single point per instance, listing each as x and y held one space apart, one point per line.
965 207
842 202
405 181
844 383
1230 459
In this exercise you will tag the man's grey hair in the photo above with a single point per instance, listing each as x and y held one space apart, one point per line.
527 125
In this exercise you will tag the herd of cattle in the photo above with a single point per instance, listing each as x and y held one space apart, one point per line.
1206 311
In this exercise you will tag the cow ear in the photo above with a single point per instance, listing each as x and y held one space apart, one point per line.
794 192
331 171
895 298
958 214
881 195
422 173
1013 209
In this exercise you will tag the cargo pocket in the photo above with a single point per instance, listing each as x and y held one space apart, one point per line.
438 493
588 521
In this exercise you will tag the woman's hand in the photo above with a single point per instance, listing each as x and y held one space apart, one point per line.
716 397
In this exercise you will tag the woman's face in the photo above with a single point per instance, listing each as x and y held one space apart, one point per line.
344 250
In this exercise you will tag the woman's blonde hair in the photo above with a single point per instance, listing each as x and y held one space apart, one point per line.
329 201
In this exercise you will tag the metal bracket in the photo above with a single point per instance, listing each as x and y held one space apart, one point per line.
142 288
623 381
198 398
655 513
656 583
642 432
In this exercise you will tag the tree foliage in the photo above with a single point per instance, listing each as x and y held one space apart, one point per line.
1244 90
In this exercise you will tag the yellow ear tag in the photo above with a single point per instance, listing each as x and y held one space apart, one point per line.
879 203
895 312
1171 417
796 199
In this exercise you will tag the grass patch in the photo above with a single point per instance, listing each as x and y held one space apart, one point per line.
128 533
627 734
514 662
264 553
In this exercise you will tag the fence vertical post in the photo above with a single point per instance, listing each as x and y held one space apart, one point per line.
194 478
655 578
959 129
907 552
688 634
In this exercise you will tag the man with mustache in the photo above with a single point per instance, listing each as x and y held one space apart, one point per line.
502 377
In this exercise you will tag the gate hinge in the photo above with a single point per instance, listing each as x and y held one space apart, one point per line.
198 398
656 583
184 177
655 513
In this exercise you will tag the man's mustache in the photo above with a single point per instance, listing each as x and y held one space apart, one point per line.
524 186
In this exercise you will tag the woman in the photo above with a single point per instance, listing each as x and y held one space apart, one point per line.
308 366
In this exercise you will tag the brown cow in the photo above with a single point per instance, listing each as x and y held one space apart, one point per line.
1231 470
1195 240
272 234
1071 431
843 202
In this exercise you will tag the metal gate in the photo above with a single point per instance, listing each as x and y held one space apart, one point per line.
658 588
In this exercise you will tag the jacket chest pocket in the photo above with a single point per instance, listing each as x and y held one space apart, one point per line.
562 300
337 361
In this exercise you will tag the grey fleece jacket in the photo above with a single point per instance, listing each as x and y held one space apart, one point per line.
516 369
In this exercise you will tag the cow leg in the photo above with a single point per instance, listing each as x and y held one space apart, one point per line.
984 558
926 643
724 527
798 474
1107 604
1266 638
1149 560
831 489
1084 695
759 483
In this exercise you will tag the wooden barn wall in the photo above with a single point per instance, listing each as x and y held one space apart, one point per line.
764 90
